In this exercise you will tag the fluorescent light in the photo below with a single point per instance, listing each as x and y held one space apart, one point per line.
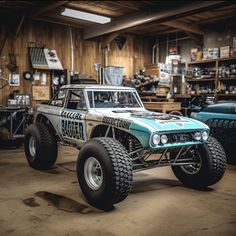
85 16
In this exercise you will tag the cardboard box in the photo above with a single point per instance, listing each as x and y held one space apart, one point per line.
41 93
152 70
233 52
205 54
234 42
194 52
224 52
215 53
210 53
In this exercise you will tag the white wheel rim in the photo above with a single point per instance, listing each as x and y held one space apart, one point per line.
93 173
32 146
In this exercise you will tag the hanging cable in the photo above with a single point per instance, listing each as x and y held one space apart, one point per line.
167 45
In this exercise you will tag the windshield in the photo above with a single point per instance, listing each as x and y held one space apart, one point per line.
113 99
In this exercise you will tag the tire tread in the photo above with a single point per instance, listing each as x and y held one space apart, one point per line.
213 166
46 153
122 167
218 159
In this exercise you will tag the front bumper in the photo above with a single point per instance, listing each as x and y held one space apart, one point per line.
178 139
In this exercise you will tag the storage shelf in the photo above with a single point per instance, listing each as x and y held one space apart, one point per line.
151 94
226 59
202 61
182 96
226 95
202 94
144 84
233 78
211 60
213 81
200 80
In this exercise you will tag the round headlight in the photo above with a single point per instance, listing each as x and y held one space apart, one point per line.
164 139
197 136
156 139
204 135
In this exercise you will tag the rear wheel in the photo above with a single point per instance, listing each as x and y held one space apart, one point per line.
209 168
40 146
104 172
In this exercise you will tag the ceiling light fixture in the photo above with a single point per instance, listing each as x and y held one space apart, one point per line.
85 16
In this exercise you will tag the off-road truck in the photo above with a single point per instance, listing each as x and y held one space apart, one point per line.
116 137
221 119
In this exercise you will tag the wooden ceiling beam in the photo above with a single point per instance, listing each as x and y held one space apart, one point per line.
56 21
3 38
217 18
67 20
126 5
93 9
148 27
163 32
49 7
20 25
198 39
185 27
129 21
108 39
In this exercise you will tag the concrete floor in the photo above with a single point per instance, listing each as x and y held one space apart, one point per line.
50 203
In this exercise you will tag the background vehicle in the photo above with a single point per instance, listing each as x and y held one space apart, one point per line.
117 136
221 118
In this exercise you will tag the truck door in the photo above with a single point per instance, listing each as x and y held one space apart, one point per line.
55 108
73 118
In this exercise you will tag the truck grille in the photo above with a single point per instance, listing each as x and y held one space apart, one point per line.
180 137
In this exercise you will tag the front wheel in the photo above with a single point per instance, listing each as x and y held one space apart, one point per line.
104 172
209 168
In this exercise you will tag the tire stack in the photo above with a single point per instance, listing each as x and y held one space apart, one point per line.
224 130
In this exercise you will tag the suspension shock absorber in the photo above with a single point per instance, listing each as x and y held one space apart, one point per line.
131 145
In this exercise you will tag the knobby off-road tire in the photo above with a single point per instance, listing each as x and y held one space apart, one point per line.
104 172
212 166
40 146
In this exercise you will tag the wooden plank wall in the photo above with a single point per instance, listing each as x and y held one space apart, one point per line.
184 47
220 38
212 39
133 56
53 37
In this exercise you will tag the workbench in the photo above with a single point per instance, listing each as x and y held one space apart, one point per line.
12 120
163 107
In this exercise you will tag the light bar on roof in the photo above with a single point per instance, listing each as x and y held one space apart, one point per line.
85 16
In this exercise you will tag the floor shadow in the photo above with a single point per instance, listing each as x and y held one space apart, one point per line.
231 158
69 166
11 144
30 202
202 189
54 171
153 184
64 203
146 185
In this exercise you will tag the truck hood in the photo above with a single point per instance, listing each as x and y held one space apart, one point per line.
147 121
